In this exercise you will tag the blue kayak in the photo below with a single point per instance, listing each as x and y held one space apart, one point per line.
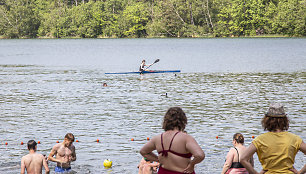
146 72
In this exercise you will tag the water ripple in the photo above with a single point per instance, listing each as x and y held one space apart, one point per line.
44 103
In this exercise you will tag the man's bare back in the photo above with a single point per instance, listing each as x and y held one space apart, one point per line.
33 162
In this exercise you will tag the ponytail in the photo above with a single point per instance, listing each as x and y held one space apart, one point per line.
238 137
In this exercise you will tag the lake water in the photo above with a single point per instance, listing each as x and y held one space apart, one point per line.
51 87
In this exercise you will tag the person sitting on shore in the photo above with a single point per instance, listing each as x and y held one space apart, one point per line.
232 164
175 148
146 167
277 148
33 162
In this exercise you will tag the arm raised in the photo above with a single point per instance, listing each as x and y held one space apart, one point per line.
303 149
147 150
52 153
246 156
198 154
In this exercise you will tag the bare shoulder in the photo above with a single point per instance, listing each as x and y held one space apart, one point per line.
156 137
232 149
188 137
57 146
25 157
40 155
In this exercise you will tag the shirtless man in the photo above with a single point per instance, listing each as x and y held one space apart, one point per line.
64 153
33 162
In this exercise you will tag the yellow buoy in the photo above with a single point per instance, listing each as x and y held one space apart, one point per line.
107 163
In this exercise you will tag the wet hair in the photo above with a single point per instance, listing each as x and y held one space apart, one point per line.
31 144
175 118
238 137
70 136
274 123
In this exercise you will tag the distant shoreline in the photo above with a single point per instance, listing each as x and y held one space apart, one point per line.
208 37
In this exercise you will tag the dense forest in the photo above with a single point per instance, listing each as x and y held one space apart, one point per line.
151 18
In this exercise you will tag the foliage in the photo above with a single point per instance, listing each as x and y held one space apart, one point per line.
18 19
151 18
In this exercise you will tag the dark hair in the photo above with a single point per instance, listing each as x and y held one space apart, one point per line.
70 136
31 144
174 118
273 123
238 137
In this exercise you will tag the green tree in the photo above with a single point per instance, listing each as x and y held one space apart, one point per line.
18 19
291 17
133 20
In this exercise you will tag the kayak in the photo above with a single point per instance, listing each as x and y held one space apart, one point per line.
146 72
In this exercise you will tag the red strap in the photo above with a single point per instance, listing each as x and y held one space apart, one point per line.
172 140
161 137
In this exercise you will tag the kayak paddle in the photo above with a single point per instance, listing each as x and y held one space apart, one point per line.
157 60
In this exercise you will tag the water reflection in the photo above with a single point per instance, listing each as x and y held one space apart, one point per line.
44 103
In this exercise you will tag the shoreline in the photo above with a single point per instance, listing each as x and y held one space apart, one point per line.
204 37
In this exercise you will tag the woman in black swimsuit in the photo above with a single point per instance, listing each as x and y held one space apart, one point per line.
175 148
232 164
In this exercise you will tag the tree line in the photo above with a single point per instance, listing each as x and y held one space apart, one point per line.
151 18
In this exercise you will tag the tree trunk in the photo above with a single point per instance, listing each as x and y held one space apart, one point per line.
191 16
152 10
205 15
178 14
212 26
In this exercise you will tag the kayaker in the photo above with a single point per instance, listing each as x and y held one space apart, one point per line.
143 65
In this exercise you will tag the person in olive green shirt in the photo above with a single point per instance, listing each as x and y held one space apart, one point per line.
277 148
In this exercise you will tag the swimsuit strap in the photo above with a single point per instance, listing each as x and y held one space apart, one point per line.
161 138
237 153
172 140
165 152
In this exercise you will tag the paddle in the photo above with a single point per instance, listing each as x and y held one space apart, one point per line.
157 60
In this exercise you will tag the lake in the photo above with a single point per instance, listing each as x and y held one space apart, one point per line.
50 87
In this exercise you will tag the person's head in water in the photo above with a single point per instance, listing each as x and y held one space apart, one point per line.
175 118
238 138
32 145
104 84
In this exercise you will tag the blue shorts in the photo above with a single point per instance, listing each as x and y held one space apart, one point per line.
61 170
